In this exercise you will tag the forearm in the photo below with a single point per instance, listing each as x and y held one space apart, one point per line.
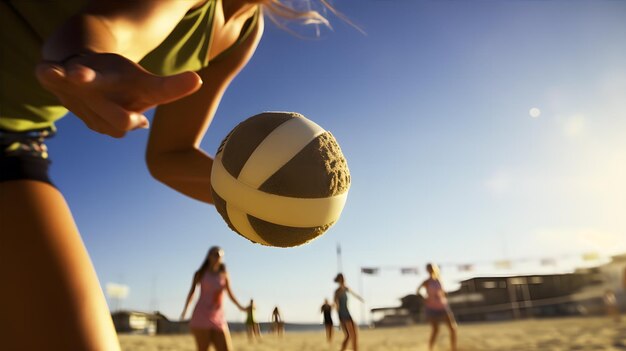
182 315
232 296
234 300
188 300
178 127
188 172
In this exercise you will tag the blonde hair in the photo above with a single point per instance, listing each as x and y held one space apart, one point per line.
282 11
433 269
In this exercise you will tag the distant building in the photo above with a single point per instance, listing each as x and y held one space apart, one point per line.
391 317
613 275
501 298
135 322
498 298
166 326
409 312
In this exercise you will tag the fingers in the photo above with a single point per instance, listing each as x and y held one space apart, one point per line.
101 125
174 87
109 110
54 77
114 88
49 75
104 124
118 117
79 74
91 119
73 85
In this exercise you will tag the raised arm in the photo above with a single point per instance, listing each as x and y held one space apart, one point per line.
420 287
231 296
89 62
355 295
196 279
173 155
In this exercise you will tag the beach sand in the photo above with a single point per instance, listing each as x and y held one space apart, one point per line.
560 334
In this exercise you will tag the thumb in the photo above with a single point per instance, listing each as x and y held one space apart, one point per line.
174 87
80 74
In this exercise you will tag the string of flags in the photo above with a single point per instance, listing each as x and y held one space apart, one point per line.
376 270
498 264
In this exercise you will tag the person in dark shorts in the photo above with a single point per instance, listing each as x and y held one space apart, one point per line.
328 320
436 306
350 329
278 325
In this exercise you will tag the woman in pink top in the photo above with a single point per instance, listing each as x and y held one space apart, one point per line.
436 306
208 324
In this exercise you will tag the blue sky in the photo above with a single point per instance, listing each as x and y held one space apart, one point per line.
431 108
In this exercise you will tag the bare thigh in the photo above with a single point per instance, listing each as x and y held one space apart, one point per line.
207 337
221 340
202 337
344 328
54 301
352 329
434 321
450 321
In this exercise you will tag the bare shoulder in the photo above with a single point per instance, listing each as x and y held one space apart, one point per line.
247 48
242 53
196 277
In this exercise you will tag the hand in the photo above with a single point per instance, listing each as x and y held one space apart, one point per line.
110 93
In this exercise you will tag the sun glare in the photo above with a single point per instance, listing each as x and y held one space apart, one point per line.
534 112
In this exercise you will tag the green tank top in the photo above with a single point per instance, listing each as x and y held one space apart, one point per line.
250 316
24 25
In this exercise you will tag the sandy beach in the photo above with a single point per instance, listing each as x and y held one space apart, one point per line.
592 333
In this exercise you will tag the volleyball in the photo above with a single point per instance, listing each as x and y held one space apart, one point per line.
279 179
